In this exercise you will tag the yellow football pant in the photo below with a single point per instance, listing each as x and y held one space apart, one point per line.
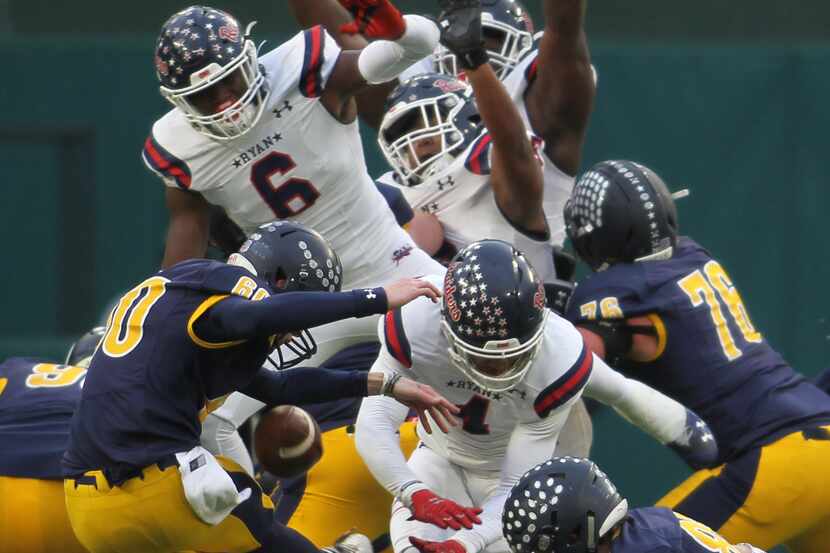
150 514
33 517
777 494
341 494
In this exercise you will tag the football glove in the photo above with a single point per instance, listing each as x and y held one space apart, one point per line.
460 24
374 19
443 513
447 546
697 446
558 292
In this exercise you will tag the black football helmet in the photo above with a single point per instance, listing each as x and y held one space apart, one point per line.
508 34
81 351
198 47
428 106
493 310
565 505
621 212
291 257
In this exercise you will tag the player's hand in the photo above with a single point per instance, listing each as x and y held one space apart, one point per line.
403 291
460 24
443 513
374 19
447 546
558 293
424 399
697 446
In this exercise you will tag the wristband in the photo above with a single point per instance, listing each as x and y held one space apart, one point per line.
473 58
388 386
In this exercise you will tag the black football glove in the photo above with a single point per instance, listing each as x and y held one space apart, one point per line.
460 24
697 446
558 293
565 263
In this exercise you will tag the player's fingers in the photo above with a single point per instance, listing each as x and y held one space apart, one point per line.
439 420
424 421
473 513
452 523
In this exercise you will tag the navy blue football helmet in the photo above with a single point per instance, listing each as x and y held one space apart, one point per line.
621 212
508 35
291 257
81 351
429 106
565 505
198 47
493 314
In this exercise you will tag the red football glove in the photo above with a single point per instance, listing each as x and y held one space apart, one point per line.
428 507
448 546
374 19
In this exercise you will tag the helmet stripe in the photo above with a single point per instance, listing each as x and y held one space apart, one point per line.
566 386
479 160
396 341
310 78
166 163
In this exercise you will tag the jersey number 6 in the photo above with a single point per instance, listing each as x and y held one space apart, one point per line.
290 198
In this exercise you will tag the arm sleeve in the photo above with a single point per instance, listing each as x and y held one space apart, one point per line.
376 430
303 385
383 60
397 202
236 318
656 414
530 444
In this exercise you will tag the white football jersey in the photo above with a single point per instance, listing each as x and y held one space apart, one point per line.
558 184
298 162
462 199
413 337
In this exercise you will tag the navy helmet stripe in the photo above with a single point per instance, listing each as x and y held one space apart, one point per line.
311 80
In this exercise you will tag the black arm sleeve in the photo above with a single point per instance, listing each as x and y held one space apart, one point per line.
617 335
301 386
236 318
397 203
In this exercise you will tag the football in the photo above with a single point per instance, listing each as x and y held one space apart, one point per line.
287 441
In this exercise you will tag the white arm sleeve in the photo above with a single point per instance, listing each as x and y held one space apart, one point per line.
376 432
656 414
383 60
219 435
530 444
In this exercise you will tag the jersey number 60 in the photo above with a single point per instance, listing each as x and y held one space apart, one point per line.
290 198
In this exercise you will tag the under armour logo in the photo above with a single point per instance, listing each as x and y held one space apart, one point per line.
370 294
443 183
285 106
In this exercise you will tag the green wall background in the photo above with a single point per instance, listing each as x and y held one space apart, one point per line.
732 107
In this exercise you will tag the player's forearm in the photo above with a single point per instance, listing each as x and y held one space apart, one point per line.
378 443
656 414
383 60
501 117
236 318
331 15
304 385
185 240
565 17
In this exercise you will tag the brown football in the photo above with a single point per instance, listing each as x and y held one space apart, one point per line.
287 441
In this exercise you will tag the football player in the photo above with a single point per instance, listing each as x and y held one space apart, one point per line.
660 308
515 369
568 504
136 478
37 400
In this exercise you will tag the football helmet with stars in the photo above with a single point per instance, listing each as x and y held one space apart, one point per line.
508 35
198 47
564 505
620 212
291 257
493 314
428 107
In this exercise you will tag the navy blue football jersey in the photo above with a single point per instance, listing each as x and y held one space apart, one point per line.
152 374
660 530
37 399
710 356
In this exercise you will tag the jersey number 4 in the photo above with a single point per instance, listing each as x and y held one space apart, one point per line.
288 199
701 287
